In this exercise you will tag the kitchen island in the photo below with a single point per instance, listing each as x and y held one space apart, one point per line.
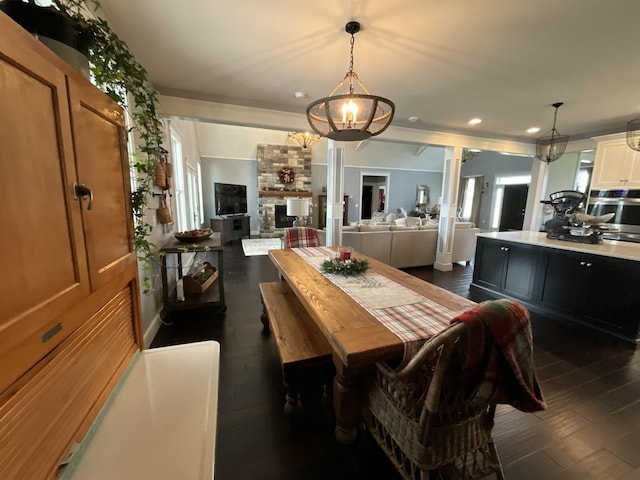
593 286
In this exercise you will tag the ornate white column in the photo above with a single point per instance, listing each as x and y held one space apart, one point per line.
448 207
335 193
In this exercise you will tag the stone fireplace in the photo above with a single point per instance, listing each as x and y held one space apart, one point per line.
272 193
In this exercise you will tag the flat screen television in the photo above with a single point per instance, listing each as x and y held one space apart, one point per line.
230 199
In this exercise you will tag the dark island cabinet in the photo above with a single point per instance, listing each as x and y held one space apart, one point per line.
506 267
599 292
562 286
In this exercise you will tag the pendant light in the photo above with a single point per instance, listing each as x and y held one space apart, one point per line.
350 116
633 134
552 145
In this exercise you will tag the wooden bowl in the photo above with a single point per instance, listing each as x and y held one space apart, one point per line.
186 237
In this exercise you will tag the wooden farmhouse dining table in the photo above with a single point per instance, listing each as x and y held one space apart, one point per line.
353 329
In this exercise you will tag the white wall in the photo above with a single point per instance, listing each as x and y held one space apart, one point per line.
562 173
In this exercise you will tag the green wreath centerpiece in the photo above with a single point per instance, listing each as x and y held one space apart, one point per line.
353 266
286 175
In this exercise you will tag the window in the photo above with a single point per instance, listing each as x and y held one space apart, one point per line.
187 189
193 199
178 184
467 198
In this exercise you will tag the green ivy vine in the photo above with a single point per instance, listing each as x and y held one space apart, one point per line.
116 72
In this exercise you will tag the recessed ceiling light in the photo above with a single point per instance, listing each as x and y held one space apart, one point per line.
475 121
300 95
533 130
413 119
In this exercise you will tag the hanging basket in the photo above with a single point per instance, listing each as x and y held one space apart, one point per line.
164 212
160 175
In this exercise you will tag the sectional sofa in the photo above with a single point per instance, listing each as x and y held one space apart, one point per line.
403 246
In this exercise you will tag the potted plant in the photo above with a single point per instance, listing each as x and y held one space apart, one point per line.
116 72
54 28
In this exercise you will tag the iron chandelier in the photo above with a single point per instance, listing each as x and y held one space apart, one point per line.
350 116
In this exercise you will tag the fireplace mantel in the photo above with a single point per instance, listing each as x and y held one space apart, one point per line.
283 193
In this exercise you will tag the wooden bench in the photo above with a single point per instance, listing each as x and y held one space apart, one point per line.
305 354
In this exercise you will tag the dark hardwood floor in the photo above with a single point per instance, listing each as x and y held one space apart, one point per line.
590 431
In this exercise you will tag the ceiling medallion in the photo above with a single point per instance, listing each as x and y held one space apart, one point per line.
350 116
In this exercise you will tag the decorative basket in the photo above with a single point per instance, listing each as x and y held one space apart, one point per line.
193 285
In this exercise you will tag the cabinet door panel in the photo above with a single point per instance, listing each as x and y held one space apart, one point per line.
562 282
489 264
634 169
610 169
41 246
519 277
611 295
103 166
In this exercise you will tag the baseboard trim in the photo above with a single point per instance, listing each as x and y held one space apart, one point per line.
152 330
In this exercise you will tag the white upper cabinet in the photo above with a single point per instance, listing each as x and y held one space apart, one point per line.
616 164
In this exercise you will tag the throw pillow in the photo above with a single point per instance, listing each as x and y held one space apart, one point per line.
377 217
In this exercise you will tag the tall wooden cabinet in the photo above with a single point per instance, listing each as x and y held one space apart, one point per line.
69 300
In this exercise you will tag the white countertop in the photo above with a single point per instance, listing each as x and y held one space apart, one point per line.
608 248
161 423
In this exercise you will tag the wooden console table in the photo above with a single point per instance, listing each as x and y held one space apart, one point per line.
212 297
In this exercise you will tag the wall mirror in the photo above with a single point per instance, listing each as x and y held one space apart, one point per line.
422 197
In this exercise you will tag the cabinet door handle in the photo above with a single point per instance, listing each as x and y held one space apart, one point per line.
81 191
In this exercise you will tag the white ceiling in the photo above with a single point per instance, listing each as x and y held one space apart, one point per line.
445 61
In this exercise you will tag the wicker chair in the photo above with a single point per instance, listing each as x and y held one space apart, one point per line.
422 418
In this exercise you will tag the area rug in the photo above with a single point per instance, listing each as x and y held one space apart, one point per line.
260 246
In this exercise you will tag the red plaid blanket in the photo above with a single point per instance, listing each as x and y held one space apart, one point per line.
499 365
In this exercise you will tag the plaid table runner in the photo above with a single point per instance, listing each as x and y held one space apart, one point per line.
413 318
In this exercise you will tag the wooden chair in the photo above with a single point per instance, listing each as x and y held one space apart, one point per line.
431 418
297 237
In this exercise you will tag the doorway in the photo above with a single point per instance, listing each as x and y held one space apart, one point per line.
374 194
514 204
